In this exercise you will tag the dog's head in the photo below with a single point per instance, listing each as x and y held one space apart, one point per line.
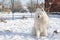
38 13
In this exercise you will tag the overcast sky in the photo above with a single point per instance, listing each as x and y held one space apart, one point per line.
26 1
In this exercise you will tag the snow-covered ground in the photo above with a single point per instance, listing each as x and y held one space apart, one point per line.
20 29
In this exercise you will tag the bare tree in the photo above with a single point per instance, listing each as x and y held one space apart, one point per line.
16 5
32 5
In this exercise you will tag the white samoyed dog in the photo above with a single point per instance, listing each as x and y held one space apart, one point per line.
41 22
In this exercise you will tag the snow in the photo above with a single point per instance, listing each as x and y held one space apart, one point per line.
20 29
17 15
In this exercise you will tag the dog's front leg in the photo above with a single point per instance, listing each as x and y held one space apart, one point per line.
37 34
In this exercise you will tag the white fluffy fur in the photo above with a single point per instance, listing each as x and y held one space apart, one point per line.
41 22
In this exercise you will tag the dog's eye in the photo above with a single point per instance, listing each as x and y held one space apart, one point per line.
38 16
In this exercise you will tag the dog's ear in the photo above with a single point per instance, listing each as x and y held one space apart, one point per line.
42 6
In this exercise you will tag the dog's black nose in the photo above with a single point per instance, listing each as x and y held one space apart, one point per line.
55 31
38 16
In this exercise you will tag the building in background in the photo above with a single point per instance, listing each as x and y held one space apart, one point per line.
52 5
